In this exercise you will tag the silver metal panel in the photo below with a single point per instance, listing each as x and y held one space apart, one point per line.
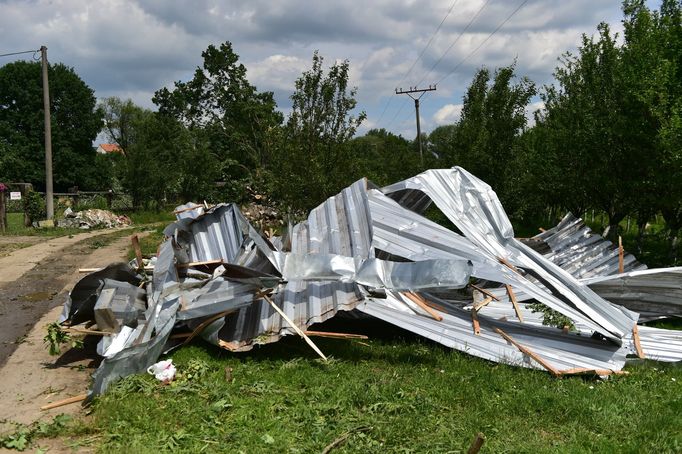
455 331
474 209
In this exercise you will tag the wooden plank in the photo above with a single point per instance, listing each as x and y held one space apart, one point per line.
477 444
483 303
484 291
138 252
585 370
87 331
187 209
638 344
335 335
293 325
205 262
528 352
230 346
92 270
621 266
477 325
508 265
61 403
512 298
421 302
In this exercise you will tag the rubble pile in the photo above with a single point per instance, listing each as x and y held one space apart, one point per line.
372 252
92 219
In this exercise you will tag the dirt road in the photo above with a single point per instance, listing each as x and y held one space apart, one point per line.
30 377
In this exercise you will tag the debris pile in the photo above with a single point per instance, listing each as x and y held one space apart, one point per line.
92 219
371 251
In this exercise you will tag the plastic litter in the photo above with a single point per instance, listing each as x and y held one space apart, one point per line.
164 371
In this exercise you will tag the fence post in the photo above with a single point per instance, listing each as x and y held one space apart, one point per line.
25 188
75 196
110 198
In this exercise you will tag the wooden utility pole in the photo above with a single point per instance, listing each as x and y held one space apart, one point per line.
48 138
416 108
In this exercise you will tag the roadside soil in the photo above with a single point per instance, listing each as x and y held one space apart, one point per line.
30 377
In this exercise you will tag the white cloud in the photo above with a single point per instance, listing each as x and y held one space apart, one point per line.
447 114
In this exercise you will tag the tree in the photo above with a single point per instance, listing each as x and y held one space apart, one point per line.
75 124
236 120
122 120
600 126
384 157
166 161
486 139
315 158
652 56
441 142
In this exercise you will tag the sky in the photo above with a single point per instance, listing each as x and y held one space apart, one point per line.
132 48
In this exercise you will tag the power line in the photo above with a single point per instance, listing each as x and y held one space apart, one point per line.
455 41
482 42
429 43
452 6
461 33
518 8
19 53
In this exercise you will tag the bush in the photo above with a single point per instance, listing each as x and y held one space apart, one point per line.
34 206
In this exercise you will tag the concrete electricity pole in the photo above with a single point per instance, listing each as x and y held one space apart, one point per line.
416 108
48 138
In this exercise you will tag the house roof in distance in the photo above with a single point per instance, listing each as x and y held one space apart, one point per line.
109 148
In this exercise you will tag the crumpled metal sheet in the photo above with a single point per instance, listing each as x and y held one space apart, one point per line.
563 352
583 253
360 244
473 207
654 293
137 357
80 303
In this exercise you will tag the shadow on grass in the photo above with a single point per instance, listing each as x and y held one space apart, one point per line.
409 348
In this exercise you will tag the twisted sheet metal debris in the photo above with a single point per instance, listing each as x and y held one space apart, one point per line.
370 250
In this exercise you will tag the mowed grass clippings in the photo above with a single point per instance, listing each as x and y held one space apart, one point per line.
391 396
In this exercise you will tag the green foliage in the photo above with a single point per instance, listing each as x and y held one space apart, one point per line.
34 206
75 124
315 159
384 157
487 138
550 317
56 337
235 120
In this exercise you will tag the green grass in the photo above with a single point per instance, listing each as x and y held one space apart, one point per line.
152 216
149 244
410 396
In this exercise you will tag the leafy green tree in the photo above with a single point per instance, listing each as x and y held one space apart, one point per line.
384 157
166 162
315 157
238 122
486 139
653 60
601 128
122 120
75 124
441 142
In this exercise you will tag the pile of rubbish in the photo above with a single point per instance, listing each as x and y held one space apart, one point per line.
371 251
92 219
